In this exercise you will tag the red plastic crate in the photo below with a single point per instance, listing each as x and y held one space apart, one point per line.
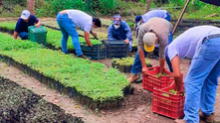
168 104
150 82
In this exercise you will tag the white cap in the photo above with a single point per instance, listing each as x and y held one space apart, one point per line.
25 14
149 40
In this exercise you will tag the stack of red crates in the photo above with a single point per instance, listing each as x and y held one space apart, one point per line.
168 104
151 81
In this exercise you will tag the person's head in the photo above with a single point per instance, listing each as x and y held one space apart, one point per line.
96 22
150 39
25 15
138 19
116 21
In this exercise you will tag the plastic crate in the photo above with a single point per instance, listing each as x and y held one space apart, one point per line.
151 81
168 104
37 34
116 49
95 52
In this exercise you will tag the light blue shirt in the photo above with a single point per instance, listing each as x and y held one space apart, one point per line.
80 19
154 13
186 44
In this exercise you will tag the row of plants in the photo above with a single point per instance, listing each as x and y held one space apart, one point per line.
53 36
92 80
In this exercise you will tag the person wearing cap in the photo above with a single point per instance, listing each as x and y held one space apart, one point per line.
120 30
151 33
68 20
26 20
151 14
201 45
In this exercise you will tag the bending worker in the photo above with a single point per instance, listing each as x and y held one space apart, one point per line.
26 20
151 14
120 30
201 44
151 33
68 20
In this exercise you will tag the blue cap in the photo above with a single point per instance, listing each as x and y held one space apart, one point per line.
138 18
117 16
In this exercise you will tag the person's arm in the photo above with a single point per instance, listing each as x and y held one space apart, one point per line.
176 73
142 58
162 64
128 33
86 37
94 35
15 35
38 24
110 36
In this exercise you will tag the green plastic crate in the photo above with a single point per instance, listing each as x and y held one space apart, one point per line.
37 34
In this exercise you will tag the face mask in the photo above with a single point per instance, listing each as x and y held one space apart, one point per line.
116 26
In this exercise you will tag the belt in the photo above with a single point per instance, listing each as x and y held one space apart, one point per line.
213 36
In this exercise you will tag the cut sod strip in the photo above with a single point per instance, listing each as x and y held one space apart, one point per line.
91 80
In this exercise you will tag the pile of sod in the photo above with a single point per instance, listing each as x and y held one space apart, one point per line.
92 80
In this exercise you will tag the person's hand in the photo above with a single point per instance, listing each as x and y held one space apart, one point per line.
95 36
37 25
145 70
126 41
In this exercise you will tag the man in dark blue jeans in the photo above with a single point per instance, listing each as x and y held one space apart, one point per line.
23 23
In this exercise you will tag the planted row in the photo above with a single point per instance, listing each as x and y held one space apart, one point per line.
90 79
53 36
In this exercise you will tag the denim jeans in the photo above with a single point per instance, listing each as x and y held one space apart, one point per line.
202 79
23 35
68 28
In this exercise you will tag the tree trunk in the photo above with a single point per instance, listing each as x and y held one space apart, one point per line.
148 5
31 6
1 3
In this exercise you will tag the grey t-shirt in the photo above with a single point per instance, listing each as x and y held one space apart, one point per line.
81 19
161 27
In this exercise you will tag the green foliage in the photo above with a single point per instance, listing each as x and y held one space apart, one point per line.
90 79
8 25
52 7
128 61
53 36
8 43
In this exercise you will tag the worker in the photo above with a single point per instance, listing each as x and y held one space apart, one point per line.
151 14
26 20
201 45
140 19
68 20
151 33
120 30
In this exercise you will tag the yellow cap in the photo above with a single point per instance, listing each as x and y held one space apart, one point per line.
149 48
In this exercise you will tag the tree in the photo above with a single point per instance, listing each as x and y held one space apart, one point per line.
31 6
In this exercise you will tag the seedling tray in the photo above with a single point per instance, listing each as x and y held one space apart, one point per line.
95 52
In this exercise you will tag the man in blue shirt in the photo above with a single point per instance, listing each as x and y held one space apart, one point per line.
201 44
120 30
26 20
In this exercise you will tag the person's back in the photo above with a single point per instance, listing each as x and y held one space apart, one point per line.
155 13
188 41
81 19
